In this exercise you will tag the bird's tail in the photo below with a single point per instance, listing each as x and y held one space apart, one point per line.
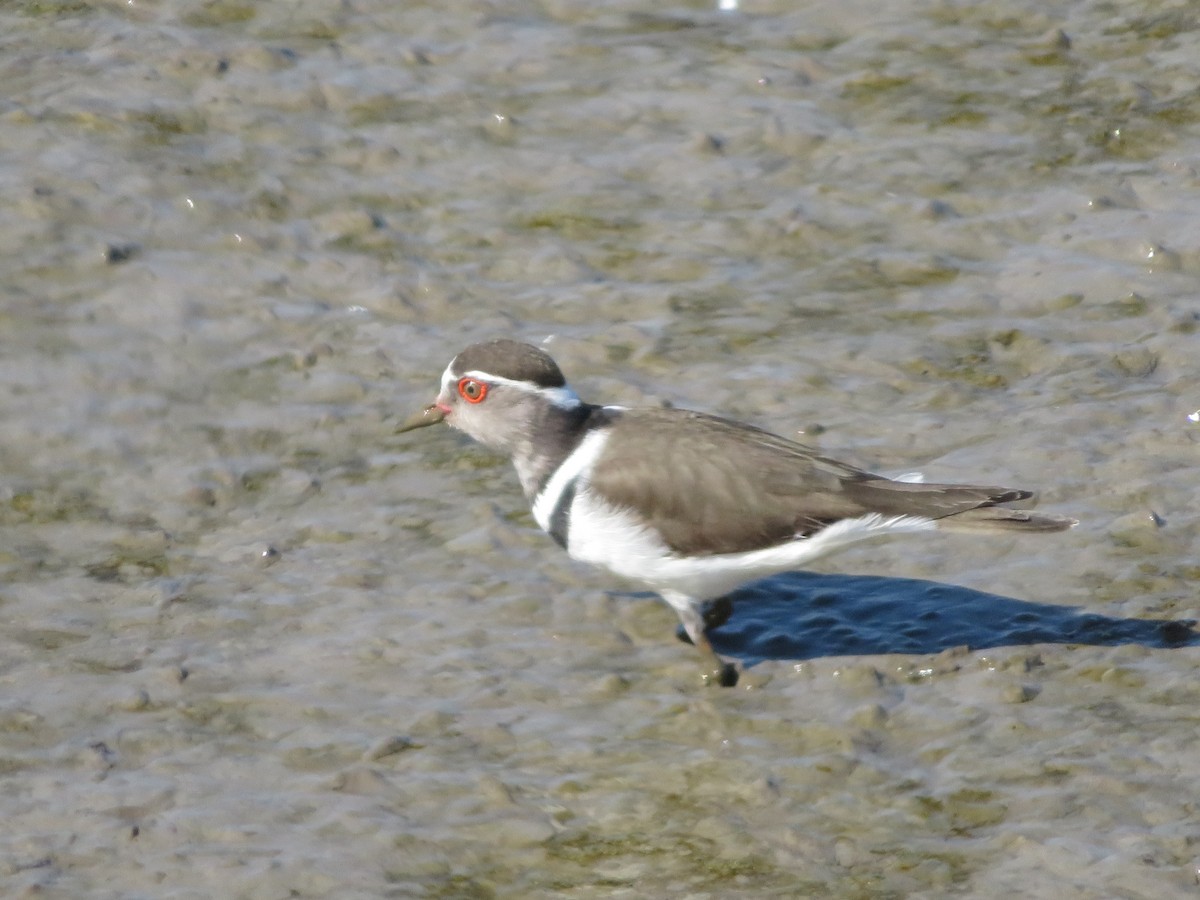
999 518
956 507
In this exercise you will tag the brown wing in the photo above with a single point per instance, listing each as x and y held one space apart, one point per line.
711 485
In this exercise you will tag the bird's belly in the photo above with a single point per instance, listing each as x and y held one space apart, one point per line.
605 535
617 540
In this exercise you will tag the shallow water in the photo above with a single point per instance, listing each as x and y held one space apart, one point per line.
256 645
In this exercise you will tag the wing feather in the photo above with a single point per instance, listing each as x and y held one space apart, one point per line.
730 487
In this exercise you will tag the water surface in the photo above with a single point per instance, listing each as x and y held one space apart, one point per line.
255 645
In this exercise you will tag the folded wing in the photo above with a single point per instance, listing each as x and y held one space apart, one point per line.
730 488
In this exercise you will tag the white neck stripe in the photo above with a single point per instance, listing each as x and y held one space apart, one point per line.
574 468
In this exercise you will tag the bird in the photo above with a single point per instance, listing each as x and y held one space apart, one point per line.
687 504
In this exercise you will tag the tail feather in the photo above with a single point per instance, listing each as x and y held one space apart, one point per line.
999 518
956 507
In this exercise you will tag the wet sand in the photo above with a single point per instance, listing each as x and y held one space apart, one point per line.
255 645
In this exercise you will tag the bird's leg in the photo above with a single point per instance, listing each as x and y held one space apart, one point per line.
695 627
717 613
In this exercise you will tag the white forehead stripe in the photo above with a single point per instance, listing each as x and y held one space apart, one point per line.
562 397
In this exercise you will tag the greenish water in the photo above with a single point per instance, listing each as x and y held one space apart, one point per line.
255 645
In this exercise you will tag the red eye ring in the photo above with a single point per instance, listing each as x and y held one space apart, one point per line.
472 390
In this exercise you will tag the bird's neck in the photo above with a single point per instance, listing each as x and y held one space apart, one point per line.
554 434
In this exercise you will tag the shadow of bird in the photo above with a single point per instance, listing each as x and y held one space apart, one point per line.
803 615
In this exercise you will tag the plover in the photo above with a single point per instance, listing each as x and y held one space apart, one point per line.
687 504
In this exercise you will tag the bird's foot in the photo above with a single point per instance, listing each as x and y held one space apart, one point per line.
717 670
694 630
723 674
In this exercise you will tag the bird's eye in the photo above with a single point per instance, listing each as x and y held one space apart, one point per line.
471 390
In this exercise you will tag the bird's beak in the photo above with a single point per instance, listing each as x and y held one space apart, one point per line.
430 415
